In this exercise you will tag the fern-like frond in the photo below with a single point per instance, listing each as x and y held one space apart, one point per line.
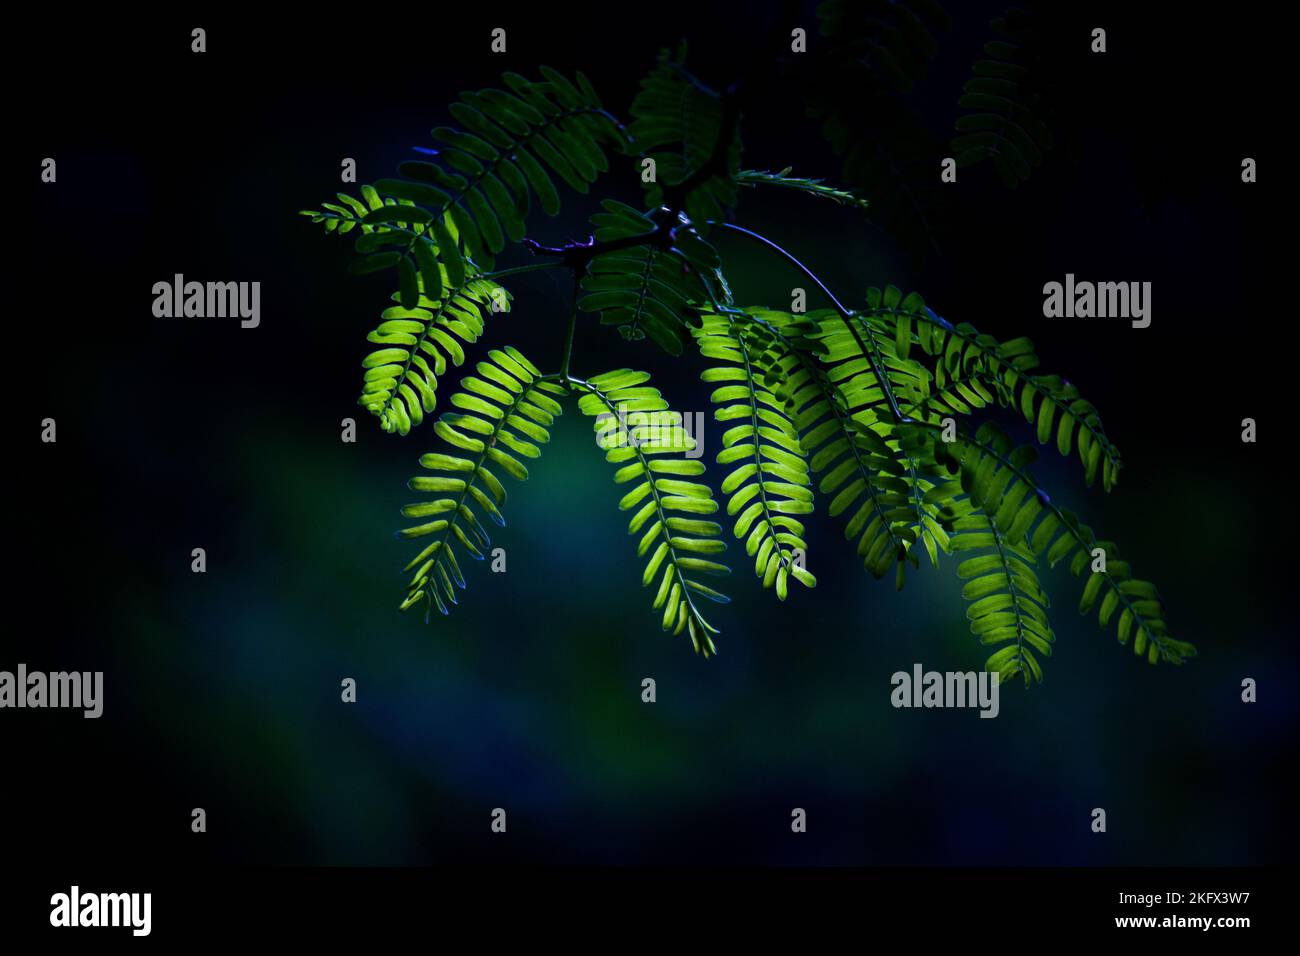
1000 124
840 433
850 443
771 481
869 374
677 121
638 432
647 290
401 379
868 366
873 55
813 187
994 473
342 219
971 369
391 231
504 413
462 208
893 41
1008 605
487 173
350 213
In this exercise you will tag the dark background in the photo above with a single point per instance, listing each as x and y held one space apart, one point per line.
222 689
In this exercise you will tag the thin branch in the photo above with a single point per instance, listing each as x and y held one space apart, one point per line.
567 355
839 307
516 270
871 354
577 254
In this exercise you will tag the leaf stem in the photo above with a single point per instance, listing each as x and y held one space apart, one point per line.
754 422
871 354
998 539
567 355
516 270
575 255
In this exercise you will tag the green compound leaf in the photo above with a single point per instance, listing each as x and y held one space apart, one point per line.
505 413
649 443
